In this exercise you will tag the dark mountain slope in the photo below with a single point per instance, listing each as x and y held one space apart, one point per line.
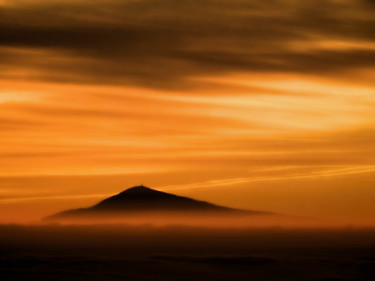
141 199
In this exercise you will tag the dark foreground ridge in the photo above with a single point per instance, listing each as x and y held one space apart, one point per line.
141 199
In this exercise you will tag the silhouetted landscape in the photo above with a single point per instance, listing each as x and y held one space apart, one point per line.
146 205
120 252
202 241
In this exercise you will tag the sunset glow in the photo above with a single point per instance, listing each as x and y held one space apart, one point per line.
235 102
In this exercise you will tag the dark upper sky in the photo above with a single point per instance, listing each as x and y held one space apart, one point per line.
162 43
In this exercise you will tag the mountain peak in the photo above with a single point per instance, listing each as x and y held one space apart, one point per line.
138 188
138 191
142 199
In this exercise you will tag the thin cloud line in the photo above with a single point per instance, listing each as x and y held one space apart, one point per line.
20 199
233 181
208 184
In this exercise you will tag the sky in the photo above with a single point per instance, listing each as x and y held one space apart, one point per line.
264 105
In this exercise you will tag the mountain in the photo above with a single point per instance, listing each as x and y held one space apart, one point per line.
146 201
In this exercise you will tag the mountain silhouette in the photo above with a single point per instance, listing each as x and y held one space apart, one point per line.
141 199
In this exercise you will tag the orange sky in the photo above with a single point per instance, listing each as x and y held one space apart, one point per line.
266 106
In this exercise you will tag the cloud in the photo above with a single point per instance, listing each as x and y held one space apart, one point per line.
161 44
333 172
15 199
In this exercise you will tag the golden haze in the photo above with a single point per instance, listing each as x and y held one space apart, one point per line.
279 118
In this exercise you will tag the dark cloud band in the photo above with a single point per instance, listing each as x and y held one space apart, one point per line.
156 43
